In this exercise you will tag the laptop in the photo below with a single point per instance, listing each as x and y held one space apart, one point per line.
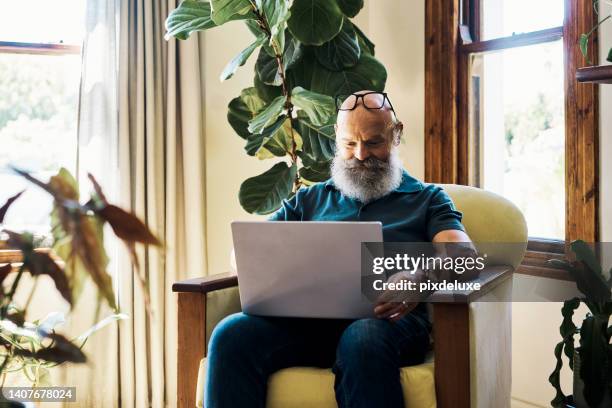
302 269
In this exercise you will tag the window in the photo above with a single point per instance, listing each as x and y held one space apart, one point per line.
503 111
40 43
517 120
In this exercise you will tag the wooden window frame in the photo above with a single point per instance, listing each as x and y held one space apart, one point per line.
452 33
10 47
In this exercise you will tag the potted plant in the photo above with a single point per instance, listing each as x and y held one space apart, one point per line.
308 52
77 252
591 361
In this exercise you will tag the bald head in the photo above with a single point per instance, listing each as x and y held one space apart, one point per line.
367 130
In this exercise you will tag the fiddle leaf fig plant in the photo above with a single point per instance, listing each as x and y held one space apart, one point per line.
307 51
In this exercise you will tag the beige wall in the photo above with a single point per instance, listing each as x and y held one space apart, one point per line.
397 29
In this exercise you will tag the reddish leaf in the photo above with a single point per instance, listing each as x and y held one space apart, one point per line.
131 246
4 271
88 246
32 179
97 189
63 187
6 205
127 226
40 263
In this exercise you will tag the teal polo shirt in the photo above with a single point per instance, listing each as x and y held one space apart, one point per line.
413 212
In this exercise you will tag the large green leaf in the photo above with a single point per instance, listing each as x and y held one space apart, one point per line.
367 74
365 44
266 92
340 52
267 116
315 22
240 59
610 55
264 193
189 16
276 13
586 282
292 51
266 68
318 141
592 274
228 10
350 7
242 109
594 359
267 65
301 74
252 100
238 116
319 108
315 174
314 171
585 254
255 28
256 141
281 143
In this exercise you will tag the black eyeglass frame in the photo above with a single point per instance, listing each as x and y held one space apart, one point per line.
339 100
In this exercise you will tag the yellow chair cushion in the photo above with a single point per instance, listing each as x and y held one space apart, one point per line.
306 387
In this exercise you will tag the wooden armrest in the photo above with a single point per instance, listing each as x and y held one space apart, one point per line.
206 284
489 279
192 329
451 333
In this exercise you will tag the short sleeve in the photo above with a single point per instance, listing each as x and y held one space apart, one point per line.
442 214
290 210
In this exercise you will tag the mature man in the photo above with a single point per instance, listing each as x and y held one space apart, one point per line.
368 183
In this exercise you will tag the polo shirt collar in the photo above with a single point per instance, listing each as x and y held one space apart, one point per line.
408 185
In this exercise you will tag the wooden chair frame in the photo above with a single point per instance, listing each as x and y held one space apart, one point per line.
451 333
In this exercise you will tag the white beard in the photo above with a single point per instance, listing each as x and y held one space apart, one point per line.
367 180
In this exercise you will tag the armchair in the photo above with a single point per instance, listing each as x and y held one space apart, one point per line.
471 361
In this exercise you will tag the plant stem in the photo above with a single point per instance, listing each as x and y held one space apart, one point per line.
16 281
31 293
278 55
4 363
598 24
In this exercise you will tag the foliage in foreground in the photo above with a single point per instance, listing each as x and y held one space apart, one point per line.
77 254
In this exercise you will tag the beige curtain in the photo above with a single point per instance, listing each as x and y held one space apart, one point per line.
155 166
161 161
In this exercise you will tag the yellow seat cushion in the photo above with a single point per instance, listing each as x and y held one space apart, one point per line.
306 387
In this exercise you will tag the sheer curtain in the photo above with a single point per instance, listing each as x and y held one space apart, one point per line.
141 132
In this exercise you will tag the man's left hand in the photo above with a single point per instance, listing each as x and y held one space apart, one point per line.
393 310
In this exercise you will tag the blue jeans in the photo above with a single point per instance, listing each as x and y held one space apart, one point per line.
365 356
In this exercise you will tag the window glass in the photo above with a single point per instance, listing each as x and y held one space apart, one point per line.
42 21
38 108
517 126
503 18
